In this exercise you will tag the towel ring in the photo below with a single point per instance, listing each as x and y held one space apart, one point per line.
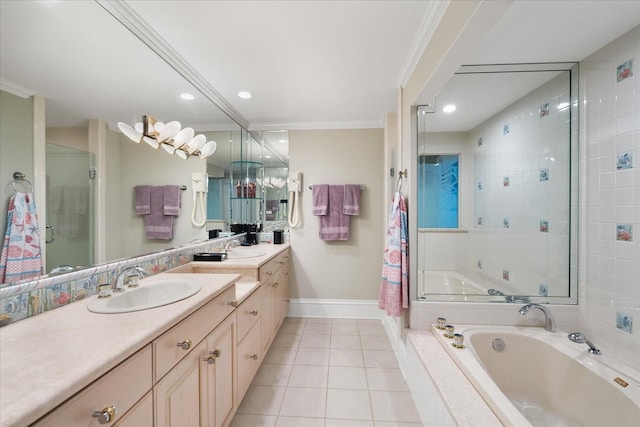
19 178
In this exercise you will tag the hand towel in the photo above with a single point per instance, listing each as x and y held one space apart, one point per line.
157 225
320 199
335 225
142 203
351 204
394 289
21 257
171 200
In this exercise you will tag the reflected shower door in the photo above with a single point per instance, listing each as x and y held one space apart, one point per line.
69 207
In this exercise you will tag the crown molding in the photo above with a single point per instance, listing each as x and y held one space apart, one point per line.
16 89
427 29
377 124
132 21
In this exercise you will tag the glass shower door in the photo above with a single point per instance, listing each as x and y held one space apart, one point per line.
69 208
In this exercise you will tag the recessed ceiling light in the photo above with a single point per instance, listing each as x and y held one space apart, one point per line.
450 108
187 96
244 95
282 141
267 156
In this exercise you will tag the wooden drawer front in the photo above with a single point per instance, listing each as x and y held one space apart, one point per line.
140 415
249 358
272 266
167 352
121 388
249 312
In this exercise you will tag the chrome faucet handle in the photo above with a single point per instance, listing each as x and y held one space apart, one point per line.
119 282
550 323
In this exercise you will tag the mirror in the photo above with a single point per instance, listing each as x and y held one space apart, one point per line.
90 79
512 137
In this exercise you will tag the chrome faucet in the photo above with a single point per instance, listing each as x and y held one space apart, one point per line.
62 269
579 338
230 244
118 283
550 323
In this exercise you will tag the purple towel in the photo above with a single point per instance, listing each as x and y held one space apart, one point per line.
142 204
157 225
171 201
335 225
320 199
351 204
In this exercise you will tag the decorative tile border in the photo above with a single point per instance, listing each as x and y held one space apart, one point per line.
624 322
31 298
624 71
624 232
624 161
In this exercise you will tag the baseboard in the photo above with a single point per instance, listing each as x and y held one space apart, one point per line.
335 308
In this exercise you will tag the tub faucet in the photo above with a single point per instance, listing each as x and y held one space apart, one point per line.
579 338
118 283
549 321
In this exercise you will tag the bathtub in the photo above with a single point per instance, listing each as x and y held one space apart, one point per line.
451 286
543 379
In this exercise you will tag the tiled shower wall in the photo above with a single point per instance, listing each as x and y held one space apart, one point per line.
610 197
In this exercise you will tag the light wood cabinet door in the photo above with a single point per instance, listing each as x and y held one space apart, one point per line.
250 357
140 415
177 396
281 299
268 295
218 381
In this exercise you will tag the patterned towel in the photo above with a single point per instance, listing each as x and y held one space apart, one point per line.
21 257
394 289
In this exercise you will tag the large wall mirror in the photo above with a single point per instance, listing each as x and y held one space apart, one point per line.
78 85
497 186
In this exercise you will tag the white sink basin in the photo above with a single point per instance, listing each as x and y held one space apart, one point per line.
245 253
150 295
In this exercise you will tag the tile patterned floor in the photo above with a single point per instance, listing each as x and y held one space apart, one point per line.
328 373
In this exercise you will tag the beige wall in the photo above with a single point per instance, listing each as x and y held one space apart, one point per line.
347 269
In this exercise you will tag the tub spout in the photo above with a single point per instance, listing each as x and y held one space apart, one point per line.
579 338
549 321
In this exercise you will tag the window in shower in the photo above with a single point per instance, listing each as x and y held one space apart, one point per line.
438 191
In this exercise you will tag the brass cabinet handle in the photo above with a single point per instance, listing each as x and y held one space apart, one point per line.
185 345
280 262
233 303
254 312
275 285
268 273
216 353
106 415
254 357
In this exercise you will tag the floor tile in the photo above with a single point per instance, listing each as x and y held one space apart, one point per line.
312 356
343 357
318 320
348 423
304 402
396 424
393 406
273 375
349 342
262 400
348 404
246 420
345 329
375 342
292 328
380 359
317 328
386 379
286 340
299 422
309 376
347 378
281 355
372 329
315 341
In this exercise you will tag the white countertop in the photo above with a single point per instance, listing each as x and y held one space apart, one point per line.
47 358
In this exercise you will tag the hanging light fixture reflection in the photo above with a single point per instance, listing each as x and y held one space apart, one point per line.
170 136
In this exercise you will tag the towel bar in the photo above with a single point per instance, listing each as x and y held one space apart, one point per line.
362 187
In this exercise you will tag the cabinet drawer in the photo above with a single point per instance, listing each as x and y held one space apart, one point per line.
249 358
167 351
121 388
269 269
140 415
249 312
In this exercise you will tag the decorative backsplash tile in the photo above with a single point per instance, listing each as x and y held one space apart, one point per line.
544 174
480 143
506 129
505 181
543 111
543 290
624 322
505 274
505 223
624 232
544 226
624 161
625 70
33 297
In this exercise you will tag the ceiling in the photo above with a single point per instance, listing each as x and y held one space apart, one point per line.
308 64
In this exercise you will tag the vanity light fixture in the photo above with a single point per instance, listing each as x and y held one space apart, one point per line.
449 108
173 139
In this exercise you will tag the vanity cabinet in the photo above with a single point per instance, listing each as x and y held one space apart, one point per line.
112 395
199 389
249 355
274 276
